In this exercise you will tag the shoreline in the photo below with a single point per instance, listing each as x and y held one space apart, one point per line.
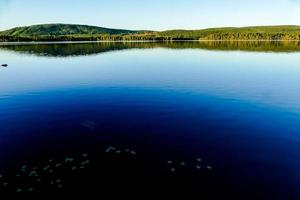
136 41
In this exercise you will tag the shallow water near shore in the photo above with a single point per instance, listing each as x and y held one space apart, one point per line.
220 119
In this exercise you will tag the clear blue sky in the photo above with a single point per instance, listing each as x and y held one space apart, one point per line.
150 14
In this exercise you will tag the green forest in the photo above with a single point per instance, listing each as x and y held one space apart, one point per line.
65 32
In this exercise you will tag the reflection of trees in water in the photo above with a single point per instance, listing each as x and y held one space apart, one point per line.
81 49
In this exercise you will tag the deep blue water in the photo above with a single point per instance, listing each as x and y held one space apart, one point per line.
239 111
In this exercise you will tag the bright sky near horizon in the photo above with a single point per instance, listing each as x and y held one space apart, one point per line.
150 14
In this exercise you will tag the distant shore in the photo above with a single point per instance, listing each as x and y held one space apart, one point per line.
135 41
79 33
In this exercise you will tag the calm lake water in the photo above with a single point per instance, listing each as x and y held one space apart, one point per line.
220 119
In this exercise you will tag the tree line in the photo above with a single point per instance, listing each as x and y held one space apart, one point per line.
158 36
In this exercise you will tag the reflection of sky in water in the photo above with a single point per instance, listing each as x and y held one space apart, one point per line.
239 110
267 78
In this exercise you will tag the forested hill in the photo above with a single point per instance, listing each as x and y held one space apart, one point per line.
243 33
66 32
62 29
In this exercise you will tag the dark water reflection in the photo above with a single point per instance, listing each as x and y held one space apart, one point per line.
221 124
79 49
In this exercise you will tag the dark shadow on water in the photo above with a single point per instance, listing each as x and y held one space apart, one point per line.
145 144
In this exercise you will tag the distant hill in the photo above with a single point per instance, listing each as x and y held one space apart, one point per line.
62 29
67 32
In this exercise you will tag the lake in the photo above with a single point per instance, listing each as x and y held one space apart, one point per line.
220 119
